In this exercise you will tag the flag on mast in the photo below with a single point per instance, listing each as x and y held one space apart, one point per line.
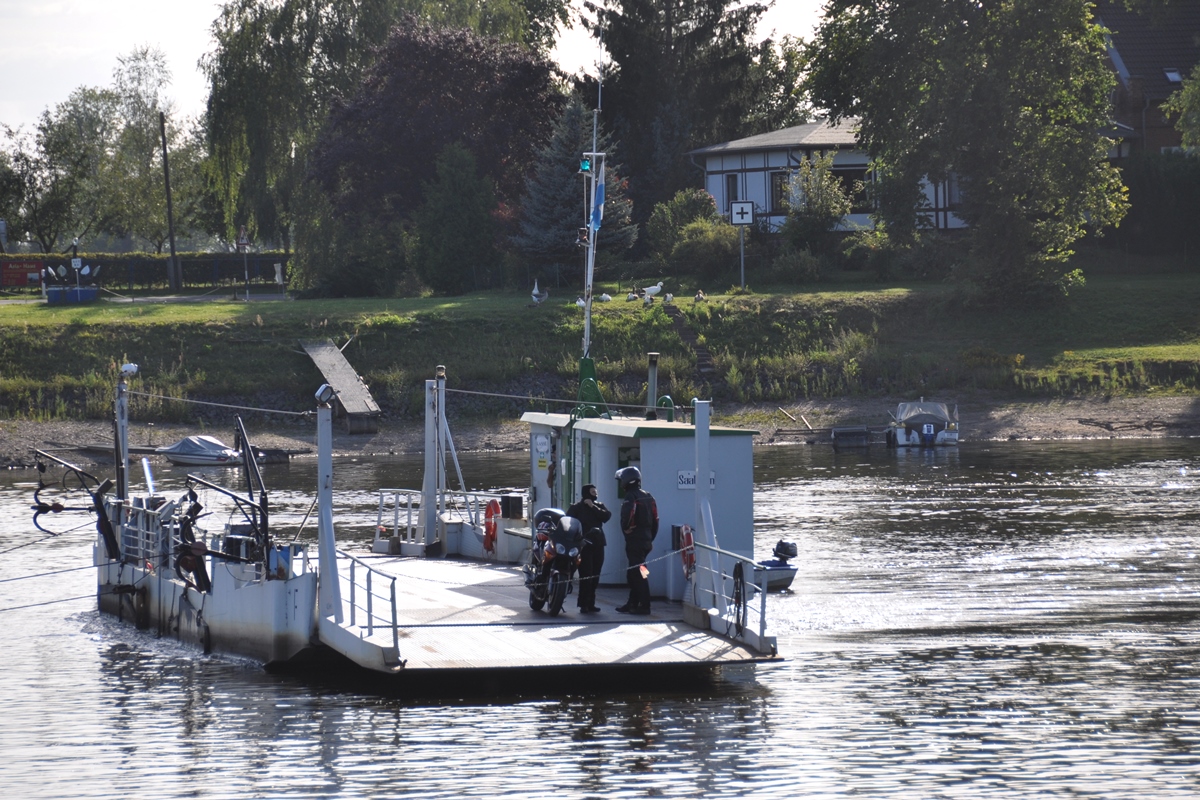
598 206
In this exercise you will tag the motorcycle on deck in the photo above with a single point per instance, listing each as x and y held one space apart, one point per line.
553 559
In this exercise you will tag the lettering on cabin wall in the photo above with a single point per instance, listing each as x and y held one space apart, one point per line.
687 480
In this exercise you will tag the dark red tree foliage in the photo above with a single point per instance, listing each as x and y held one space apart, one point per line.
431 88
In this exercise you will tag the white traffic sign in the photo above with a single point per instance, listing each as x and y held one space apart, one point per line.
741 213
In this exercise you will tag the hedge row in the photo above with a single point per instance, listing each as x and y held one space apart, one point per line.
149 270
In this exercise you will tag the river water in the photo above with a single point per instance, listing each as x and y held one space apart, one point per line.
998 620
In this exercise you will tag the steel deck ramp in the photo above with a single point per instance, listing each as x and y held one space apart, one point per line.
353 397
468 615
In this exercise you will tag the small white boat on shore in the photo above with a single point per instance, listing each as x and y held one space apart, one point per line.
923 424
201 451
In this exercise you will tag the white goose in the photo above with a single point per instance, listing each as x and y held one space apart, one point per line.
538 297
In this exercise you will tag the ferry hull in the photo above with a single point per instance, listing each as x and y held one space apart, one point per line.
268 621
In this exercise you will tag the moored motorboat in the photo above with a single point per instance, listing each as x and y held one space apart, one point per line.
779 573
201 451
923 424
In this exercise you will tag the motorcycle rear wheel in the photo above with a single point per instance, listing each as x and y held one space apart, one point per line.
556 590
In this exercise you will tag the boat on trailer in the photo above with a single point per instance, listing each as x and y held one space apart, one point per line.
201 451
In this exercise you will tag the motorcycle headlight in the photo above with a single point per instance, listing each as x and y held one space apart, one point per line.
574 552
561 550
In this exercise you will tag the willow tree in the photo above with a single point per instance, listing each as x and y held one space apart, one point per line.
278 66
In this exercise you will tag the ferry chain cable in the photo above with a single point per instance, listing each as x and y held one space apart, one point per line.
63 599
221 405
532 399
87 524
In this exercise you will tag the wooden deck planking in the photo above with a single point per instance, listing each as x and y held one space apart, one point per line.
471 615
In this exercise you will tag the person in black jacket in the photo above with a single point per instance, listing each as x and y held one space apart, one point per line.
592 514
639 523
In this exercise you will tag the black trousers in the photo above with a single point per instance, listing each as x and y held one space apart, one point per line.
639 587
591 561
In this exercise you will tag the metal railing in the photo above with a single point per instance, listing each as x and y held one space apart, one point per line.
145 536
743 594
371 597
403 506
410 501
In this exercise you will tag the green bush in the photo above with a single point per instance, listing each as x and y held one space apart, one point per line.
667 220
794 266
707 248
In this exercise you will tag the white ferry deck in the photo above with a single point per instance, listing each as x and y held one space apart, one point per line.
455 614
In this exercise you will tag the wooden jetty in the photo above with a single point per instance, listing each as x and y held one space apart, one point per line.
353 399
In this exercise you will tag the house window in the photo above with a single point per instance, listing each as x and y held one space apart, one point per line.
854 182
731 190
953 193
1173 75
779 182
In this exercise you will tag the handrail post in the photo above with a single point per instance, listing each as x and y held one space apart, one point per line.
762 613
370 605
353 584
395 621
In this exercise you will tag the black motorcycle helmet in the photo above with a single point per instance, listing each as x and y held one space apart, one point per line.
547 520
629 476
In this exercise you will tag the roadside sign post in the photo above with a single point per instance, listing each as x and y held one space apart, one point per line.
243 244
742 214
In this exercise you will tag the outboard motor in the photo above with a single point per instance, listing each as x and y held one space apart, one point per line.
784 550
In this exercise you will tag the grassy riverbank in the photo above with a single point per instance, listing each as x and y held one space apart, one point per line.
1133 330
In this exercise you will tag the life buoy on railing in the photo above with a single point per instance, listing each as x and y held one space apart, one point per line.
490 524
687 550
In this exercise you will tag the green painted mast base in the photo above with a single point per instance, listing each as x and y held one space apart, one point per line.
591 400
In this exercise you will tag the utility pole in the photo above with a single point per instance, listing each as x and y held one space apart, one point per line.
174 271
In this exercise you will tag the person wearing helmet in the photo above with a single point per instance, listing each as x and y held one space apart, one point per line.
592 514
639 523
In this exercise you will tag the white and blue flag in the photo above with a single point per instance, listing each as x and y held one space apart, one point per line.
598 206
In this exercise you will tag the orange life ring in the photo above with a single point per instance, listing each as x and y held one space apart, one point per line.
687 550
489 525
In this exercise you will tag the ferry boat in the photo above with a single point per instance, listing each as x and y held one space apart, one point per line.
436 594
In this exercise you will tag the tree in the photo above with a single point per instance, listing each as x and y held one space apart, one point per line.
428 88
133 182
777 84
817 202
278 67
668 220
455 251
1186 103
1009 97
58 170
555 204
682 75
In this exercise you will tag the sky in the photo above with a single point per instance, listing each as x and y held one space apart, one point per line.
52 47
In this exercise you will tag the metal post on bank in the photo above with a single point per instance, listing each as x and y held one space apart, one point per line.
741 213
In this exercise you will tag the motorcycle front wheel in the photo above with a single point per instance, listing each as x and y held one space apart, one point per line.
556 590
535 601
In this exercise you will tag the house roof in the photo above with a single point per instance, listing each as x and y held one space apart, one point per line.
1144 46
821 133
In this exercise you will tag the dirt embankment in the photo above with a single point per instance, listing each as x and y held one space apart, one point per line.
982 419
